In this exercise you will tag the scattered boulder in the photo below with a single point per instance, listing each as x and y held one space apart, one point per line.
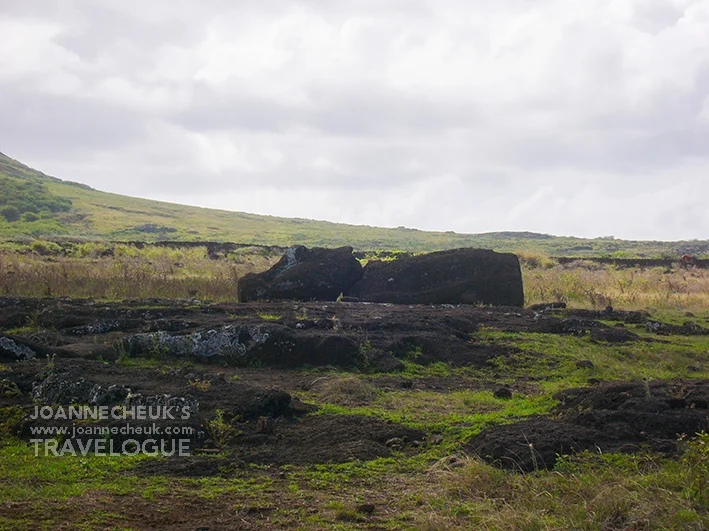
67 388
581 326
114 394
687 329
184 403
546 306
304 275
265 425
255 403
573 326
534 444
366 508
426 348
458 276
9 389
100 327
193 466
625 316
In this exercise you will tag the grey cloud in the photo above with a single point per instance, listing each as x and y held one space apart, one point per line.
62 125
401 113
102 28
352 111
653 16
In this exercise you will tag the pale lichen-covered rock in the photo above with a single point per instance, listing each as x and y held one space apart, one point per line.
14 351
228 341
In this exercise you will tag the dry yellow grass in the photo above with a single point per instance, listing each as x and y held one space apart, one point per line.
346 391
586 285
156 272
129 274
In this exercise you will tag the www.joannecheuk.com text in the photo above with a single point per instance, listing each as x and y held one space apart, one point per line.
104 447
115 413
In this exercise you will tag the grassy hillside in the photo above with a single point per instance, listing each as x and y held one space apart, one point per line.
57 207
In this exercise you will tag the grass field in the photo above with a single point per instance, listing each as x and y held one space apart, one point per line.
104 216
438 489
120 271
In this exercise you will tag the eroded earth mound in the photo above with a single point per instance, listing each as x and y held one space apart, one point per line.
258 423
624 417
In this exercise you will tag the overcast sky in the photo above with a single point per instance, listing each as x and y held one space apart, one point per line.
570 117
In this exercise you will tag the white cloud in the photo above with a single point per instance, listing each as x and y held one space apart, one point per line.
568 117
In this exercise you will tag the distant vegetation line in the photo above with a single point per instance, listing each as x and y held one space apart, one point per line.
106 271
34 205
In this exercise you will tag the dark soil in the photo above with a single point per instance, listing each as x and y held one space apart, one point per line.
247 350
317 439
194 466
251 379
624 417
296 438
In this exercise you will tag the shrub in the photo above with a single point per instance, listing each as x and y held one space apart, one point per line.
29 196
533 260
46 248
221 431
10 213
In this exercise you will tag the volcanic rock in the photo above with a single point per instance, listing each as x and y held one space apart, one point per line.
458 276
304 274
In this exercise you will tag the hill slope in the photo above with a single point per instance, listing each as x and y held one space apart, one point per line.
33 204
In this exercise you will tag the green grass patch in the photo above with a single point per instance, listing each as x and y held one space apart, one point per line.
26 476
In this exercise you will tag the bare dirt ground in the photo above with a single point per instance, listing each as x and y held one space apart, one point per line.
244 364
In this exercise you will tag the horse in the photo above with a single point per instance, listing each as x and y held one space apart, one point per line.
687 261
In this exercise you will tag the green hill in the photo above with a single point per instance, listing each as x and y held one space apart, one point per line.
35 205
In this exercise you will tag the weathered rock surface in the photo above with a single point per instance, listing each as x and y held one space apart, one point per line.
687 329
14 350
547 306
270 345
610 314
226 342
617 417
304 274
458 276
284 348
